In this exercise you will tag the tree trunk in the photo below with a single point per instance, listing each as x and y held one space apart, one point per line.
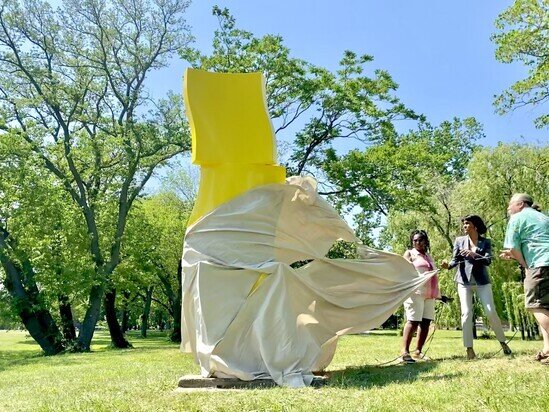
37 320
175 336
125 312
475 317
118 339
146 312
43 330
523 336
67 321
90 319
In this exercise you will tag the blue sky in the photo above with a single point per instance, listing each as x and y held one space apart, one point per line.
439 52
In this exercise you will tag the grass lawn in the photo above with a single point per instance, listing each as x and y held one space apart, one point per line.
144 379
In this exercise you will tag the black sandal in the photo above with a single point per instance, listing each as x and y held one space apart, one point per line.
406 358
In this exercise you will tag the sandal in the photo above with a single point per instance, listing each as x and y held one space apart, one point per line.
541 356
418 355
471 354
406 358
506 348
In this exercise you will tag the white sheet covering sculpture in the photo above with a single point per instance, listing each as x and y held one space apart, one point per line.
289 325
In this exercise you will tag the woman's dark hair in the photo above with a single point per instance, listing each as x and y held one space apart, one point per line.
422 235
477 222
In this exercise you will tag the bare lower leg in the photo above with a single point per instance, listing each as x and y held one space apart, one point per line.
423 332
542 317
408 334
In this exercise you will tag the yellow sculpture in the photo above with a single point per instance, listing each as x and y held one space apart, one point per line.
236 147
247 313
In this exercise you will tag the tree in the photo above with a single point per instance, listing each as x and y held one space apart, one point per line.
42 247
152 253
72 87
403 173
523 36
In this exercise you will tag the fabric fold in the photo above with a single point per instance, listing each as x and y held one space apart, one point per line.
289 326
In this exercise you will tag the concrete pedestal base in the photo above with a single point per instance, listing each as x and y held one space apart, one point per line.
198 383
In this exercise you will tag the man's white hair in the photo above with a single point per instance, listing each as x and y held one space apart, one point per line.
523 197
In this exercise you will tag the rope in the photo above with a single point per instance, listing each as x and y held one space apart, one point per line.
427 342
506 342
430 340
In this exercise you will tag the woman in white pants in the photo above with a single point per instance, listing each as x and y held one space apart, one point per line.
472 255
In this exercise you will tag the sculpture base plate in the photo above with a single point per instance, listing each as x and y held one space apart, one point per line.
192 383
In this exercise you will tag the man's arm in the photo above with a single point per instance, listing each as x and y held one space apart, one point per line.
514 254
512 241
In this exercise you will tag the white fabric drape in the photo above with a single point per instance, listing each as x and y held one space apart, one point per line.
289 325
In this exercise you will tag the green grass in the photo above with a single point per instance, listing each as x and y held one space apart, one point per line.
144 379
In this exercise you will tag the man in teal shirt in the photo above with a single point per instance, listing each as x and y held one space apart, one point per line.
527 241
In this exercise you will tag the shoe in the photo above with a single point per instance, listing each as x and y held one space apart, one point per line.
446 299
406 358
418 355
471 354
506 349
541 356
544 361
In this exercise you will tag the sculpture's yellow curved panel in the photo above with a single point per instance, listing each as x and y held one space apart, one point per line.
232 136
228 116
221 183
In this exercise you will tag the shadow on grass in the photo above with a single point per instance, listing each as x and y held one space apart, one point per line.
487 355
371 376
13 358
28 341
101 343
378 332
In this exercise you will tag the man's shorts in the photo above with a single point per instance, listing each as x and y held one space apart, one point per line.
418 308
536 288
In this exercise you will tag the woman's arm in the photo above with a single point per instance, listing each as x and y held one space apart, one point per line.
456 256
486 257
408 256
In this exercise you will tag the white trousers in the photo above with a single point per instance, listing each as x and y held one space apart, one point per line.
484 294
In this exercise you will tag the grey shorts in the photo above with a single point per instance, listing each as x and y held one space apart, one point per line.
536 288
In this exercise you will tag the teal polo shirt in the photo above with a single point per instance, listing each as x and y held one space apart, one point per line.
528 231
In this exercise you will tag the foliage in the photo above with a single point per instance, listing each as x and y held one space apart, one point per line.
490 177
151 253
523 36
519 317
403 173
72 89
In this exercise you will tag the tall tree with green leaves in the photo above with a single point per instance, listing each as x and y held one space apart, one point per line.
523 36
19 278
152 253
402 173
43 251
72 87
